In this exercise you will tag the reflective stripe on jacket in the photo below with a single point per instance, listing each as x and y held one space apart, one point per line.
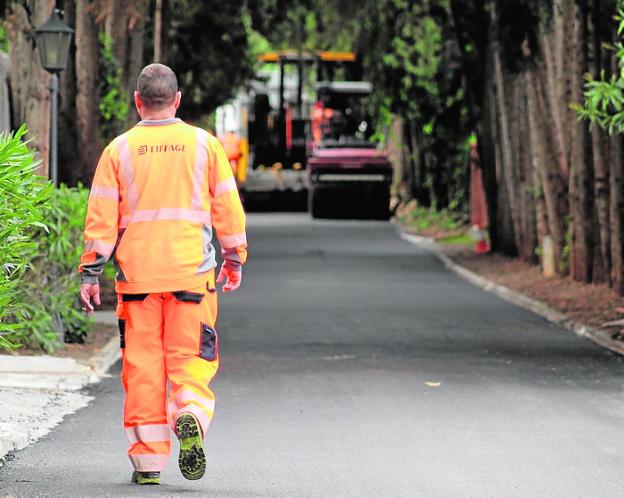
157 192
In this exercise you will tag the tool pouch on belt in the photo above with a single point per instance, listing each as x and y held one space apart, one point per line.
188 297
121 320
121 313
209 346
208 335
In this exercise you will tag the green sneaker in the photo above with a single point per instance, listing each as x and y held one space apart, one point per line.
192 460
145 477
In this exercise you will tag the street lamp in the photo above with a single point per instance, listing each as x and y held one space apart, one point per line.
53 39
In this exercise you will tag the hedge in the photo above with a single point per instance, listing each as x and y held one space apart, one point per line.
22 199
41 241
52 280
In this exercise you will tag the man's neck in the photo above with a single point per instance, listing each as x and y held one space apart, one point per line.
158 115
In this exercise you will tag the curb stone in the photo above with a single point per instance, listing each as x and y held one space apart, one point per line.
109 354
599 336
37 392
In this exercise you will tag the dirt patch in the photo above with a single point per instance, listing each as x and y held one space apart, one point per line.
96 339
589 304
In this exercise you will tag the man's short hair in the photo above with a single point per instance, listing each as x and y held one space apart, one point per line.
157 85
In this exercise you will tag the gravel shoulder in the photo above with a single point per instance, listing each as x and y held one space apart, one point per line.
37 391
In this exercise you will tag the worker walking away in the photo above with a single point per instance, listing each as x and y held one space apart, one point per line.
232 145
157 192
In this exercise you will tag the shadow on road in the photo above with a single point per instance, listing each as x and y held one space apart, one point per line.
345 209
279 203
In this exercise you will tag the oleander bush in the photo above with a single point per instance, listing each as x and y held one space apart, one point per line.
23 196
41 242
52 281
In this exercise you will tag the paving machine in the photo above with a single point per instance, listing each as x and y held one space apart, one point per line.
349 175
272 117
306 135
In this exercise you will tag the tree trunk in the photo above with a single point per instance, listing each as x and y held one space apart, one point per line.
507 165
602 270
506 230
487 154
581 249
520 143
29 83
158 25
550 179
396 154
541 219
417 170
136 59
69 162
616 213
87 112
117 29
553 101
601 196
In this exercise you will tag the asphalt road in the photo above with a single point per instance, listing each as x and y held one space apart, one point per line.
327 352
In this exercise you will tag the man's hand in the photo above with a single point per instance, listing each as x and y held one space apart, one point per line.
89 292
232 278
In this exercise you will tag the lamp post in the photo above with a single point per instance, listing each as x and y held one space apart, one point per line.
53 38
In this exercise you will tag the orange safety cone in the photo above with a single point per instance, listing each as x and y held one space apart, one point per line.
482 246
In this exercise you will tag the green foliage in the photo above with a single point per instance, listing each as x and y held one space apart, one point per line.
307 24
208 49
535 191
109 273
113 105
414 57
22 197
405 59
423 219
41 240
258 44
604 97
457 240
4 39
414 62
52 282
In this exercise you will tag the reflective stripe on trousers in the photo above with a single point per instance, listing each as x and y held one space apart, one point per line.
163 335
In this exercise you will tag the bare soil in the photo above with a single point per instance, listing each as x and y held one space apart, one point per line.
587 303
97 338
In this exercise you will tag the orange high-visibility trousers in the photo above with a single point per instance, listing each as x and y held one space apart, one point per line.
166 337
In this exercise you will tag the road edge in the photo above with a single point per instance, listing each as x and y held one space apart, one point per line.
17 435
600 337
110 353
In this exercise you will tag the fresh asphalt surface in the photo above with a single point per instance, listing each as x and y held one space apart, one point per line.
326 353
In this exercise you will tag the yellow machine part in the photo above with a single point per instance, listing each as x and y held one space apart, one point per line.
310 55
243 161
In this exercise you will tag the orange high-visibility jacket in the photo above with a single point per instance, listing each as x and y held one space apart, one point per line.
157 192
